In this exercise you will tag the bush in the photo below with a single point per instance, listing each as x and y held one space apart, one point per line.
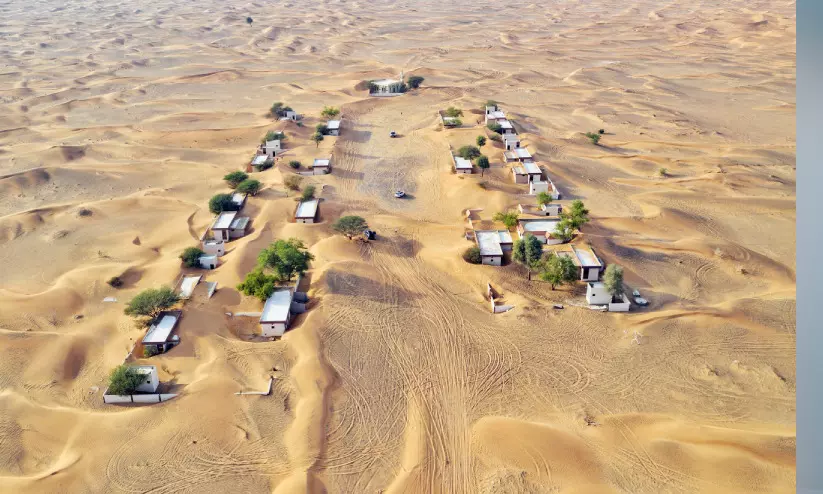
151 302
494 127
472 255
317 137
124 380
235 178
220 203
601 131
509 218
299 124
115 282
322 128
273 136
292 182
481 141
350 226
496 137
468 152
258 284
308 193
330 112
295 164
249 186
265 166
453 112
595 138
414 81
191 257
544 199
150 351
663 172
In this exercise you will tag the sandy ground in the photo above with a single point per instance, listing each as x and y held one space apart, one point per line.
398 379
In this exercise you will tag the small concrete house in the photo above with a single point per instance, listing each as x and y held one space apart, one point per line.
159 336
596 294
492 244
276 314
306 211
450 121
291 115
589 265
208 262
542 229
552 209
228 225
386 86
271 148
506 127
511 141
494 114
259 160
238 227
333 127
520 175
537 187
150 382
518 154
321 166
214 247
239 200
462 165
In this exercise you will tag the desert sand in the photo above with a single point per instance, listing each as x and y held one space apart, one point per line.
398 378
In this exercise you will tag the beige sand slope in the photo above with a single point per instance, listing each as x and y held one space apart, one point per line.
119 120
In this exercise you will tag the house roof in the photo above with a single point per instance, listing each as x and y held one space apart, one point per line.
213 242
259 160
238 198
511 137
224 220
333 124
489 241
587 257
462 163
497 114
239 223
207 258
505 124
274 143
522 153
159 333
277 307
532 226
532 168
321 162
307 209
519 170
385 82
188 285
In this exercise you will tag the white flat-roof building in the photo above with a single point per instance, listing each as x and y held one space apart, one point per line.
597 294
259 160
238 227
547 186
291 115
208 262
276 314
511 141
542 229
150 382
492 244
214 247
518 154
188 285
321 166
229 225
386 87
589 265
159 335
306 211
506 127
462 165
239 200
271 148
552 209
333 127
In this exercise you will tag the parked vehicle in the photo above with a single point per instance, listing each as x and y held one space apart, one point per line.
369 234
398 194
392 134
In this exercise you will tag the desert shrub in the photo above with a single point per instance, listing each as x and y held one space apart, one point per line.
151 302
508 218
191 257
292 182
249 186
317 137
496 137
495 127
273 136
295 164
595 138
322 128
472 255
84 212
124 380
150 351
468 152
258 284
221 202
414 81
279 110
663 172
453 112
330 112
350 226
601 131
308 193
115 282
235 178
481 141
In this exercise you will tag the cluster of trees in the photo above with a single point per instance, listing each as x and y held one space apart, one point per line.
239 181
279 110
571 220
277 263
508 218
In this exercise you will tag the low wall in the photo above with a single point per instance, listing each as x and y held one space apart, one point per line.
141 398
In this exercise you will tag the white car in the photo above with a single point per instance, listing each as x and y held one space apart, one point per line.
398 194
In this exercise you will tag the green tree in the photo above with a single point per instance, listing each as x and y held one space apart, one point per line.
482 162
292 182
414 81
221 202
350 226
295 164
286 258
191 257
491 102
453 112
151 302
472 255
494 127
544 198
508 218
329 112
564 230
249 186
279 110
317 137
308 193
481 141
322 128
663 172
235 178
124 380
595 138
577 215
468 152
558 270
258 284
528 252
273 136
613 280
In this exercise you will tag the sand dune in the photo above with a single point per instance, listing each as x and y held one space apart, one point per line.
119 123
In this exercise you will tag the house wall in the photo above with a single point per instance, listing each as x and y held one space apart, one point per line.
143 398
214 250
220 234
237 233
553 241
335 132
304 220
464 171
520 179
208 264
552 210
149 384
589 274
320 171
620 306
492 260
597 295
273 328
